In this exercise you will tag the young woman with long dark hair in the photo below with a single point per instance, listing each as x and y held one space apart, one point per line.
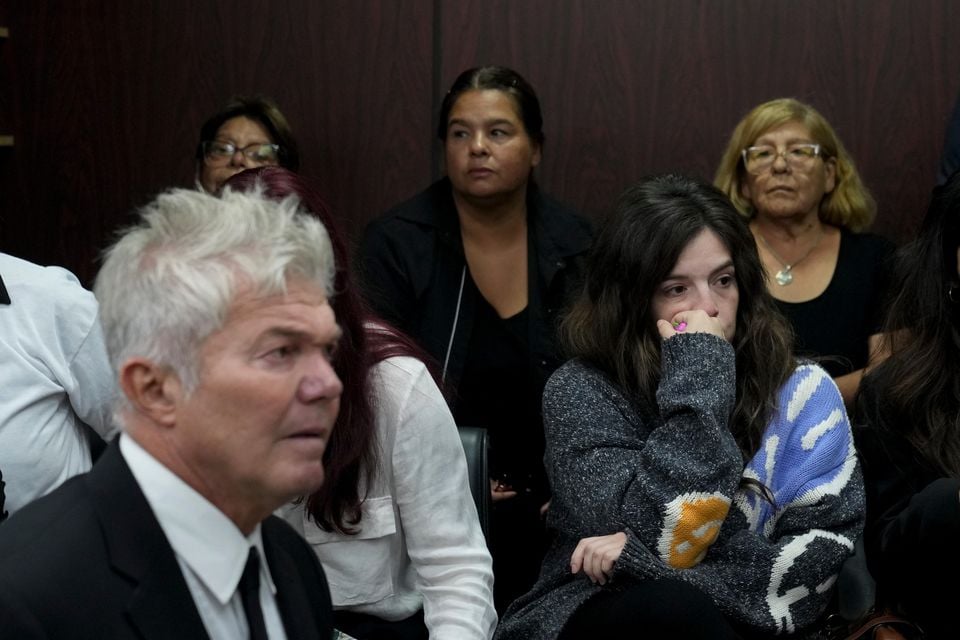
705 484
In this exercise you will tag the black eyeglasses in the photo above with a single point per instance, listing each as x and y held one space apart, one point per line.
217 151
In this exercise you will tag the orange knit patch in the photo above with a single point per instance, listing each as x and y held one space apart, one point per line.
695 525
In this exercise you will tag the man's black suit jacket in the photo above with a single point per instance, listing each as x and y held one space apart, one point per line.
90 561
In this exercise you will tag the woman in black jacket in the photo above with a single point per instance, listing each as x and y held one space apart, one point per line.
476 268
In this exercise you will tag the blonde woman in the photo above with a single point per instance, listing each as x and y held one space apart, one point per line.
789 174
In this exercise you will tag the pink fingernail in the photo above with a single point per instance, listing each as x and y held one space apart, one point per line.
681 326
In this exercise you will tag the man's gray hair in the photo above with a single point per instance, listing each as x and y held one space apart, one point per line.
169 281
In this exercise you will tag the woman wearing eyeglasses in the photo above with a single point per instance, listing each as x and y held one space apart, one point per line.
786 170
246 133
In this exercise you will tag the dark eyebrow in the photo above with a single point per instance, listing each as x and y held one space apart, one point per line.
485 123
230 141
725 265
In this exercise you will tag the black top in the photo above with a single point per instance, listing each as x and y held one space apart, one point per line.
834 327
913 516
499 390
415 276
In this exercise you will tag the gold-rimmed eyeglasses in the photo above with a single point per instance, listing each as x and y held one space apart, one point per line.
800 156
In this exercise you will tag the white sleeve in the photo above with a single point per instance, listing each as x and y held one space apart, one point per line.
444 539
91 384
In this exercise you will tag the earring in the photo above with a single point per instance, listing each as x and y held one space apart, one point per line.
953 293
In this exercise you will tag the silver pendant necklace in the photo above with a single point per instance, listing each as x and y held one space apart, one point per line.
785 275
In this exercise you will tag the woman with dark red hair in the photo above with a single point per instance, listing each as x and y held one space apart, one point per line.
394 523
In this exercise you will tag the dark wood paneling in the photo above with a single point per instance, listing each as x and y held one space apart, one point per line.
109 98
106 98
637 87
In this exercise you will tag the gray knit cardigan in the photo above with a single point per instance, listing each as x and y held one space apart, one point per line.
670 476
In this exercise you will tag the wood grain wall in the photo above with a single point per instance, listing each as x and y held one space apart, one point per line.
106 98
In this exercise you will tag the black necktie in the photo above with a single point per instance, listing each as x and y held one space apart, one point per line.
250 595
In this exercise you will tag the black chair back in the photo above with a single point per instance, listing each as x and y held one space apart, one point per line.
856 589
474 440
857 613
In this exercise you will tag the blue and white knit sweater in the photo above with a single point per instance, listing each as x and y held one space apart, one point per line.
669 475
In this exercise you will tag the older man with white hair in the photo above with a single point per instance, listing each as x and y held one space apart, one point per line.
217 323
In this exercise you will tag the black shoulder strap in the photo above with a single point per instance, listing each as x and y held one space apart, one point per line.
3 497
4 296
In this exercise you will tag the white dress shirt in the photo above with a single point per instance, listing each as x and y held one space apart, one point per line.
210 549
420 543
